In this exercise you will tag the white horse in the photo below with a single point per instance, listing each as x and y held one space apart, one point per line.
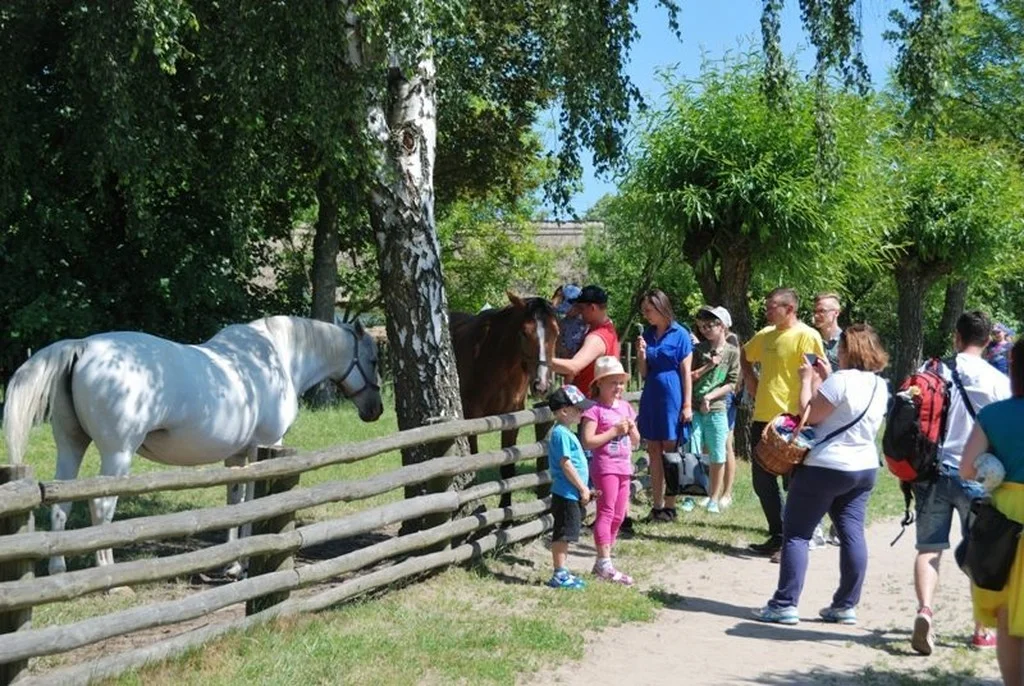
181 404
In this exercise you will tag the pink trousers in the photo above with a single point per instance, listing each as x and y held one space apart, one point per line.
611 506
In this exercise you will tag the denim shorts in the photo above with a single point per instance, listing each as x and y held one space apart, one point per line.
935 503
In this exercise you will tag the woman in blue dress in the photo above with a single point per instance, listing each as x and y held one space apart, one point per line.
664 354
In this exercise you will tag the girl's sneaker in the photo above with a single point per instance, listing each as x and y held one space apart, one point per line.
563 579
713 507
687 505
777 615
609 573
725 502
847 616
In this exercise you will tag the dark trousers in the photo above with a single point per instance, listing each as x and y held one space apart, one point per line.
766 486
814 491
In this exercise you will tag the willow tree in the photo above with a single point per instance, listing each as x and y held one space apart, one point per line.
956 208
736 182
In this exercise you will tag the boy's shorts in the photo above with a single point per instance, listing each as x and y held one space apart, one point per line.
937 501
568 516
710 433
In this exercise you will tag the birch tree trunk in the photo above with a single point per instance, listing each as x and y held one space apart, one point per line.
404 129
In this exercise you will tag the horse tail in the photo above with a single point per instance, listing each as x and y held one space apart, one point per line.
32 389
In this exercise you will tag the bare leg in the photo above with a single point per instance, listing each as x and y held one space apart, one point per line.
1008 652
926 576
559 553
717 481
730 465
657 474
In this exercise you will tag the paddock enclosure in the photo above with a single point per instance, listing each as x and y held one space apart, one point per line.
278 584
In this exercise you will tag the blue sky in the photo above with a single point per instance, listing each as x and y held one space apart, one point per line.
712 28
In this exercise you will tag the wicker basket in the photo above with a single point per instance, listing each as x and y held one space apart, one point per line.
778 455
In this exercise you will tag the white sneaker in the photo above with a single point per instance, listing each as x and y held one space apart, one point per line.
725 502
817 539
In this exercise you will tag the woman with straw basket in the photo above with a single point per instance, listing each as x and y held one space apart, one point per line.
846 409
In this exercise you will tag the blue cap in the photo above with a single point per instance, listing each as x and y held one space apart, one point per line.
570 292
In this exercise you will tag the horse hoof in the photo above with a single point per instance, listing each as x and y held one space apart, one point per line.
121 592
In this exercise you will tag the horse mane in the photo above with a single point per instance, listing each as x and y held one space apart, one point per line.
306 334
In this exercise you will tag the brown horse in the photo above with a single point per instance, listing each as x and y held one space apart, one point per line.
502 355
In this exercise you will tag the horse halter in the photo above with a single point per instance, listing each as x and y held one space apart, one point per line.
368 383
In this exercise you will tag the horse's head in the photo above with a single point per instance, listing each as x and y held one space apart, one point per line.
360 380
539 331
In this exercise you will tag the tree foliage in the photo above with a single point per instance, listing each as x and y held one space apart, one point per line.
734 182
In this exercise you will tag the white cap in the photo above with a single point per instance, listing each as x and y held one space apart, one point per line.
719 312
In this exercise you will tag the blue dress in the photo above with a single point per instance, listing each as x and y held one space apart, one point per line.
662 397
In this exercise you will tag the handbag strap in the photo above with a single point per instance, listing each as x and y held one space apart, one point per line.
874 389
960 387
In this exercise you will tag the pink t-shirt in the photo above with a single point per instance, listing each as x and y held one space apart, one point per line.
615 456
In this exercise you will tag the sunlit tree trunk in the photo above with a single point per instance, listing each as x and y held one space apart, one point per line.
403 129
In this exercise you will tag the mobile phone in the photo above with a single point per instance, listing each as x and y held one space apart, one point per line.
811 358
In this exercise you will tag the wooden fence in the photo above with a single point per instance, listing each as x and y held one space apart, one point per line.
273 574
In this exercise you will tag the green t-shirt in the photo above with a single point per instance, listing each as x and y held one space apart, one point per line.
726 371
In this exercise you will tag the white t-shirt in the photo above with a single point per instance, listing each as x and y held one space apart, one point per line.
849 391
984 384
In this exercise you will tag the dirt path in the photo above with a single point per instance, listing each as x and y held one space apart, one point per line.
706 636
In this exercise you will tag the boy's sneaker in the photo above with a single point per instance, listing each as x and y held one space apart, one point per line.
834 615
921 640
609 573
687 505
563 579
713 507
777 615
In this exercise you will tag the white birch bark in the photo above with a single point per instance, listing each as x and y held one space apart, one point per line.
403 129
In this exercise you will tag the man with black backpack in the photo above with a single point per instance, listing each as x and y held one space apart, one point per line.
972 384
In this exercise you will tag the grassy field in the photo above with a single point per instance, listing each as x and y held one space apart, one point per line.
484 624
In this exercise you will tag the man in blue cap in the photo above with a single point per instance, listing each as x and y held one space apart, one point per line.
572 327
999 347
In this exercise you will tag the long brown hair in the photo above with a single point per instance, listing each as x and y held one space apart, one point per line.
660 302
863 349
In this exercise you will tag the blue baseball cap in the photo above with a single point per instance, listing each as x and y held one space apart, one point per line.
570 292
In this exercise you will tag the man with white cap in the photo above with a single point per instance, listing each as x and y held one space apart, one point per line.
715 374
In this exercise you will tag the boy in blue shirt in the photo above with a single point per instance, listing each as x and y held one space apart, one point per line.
569 478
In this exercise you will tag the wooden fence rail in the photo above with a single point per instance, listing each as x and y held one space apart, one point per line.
25 644
273 576
110 666
100 486
34 592
180 524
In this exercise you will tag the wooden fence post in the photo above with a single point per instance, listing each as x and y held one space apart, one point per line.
265 564
15 570
540 432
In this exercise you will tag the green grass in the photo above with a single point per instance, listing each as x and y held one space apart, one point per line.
483 632
496 620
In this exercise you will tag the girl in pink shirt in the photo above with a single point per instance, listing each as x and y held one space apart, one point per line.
609 432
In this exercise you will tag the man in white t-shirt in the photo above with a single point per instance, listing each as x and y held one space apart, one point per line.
979 384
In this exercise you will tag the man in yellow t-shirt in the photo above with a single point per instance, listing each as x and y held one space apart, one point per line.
779 348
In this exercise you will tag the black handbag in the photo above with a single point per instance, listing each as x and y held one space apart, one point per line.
685 473
991 545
